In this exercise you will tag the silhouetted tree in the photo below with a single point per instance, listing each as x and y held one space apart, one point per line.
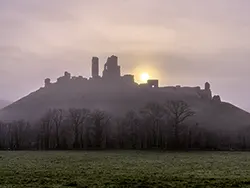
100 121
153 126
177 111
19 133
154 114
57 118
10 136
77 118
46 128
3 133
129 131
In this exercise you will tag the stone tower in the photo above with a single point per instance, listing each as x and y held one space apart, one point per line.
111 68
207 86
47 82
95 67
208 92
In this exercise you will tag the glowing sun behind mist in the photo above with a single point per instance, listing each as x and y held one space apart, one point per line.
144 77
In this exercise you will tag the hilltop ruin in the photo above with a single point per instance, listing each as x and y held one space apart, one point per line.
111 79
117 94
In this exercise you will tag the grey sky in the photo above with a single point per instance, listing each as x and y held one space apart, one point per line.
183 42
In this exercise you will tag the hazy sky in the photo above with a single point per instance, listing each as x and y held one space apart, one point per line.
182 42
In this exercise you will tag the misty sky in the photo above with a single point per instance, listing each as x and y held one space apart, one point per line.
181 42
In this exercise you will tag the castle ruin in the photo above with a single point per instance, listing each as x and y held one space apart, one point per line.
111 76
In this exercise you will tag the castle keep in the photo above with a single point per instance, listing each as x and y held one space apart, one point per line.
112 73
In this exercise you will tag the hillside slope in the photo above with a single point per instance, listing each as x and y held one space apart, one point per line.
121 99
4 103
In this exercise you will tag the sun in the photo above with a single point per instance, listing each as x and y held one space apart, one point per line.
144 77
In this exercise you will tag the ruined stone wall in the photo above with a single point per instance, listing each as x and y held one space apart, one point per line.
206 93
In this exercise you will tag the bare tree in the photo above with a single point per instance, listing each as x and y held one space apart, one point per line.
100 120
46 128
3 133
134 123
129 131
19 133
57 119
154 113
177 111
78 118
10 136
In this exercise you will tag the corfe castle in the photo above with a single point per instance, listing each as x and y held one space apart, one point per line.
112 80
118 94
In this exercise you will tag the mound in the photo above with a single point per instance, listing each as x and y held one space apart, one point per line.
118 94
4 103
121 98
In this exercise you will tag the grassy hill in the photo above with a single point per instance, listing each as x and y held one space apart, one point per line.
119 99
4 103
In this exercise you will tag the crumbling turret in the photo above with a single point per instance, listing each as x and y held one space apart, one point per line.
216 99
95 67
67 75
65 78
206 93
47 82
207 86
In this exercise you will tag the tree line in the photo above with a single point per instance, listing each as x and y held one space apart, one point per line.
155 126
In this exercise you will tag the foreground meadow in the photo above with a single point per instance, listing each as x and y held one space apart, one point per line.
124 169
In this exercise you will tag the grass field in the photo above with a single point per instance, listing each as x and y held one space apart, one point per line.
124 169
